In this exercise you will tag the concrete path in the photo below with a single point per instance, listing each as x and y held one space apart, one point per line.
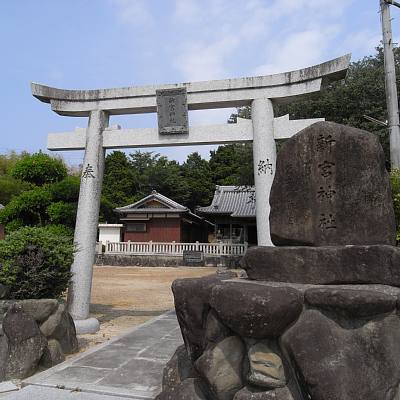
129 366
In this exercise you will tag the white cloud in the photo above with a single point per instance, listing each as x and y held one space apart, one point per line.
285 33
298 50
203 61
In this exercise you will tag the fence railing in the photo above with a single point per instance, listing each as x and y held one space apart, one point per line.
175 249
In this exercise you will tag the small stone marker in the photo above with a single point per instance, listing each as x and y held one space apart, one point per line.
172 111
331 188
193 258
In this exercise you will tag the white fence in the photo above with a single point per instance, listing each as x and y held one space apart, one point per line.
174 249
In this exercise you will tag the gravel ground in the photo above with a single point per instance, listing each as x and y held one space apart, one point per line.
123 297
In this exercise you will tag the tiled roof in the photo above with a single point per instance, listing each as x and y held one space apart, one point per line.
236 201
171 205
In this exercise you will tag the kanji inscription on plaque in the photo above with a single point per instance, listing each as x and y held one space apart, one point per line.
172 111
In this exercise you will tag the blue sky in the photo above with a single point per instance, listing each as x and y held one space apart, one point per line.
86 44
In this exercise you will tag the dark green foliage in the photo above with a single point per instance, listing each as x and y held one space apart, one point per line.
51 203
129 178
62 213
11 187
121 180
66 190
29 207
107 213
196 173
232 165
14 225
35 262
39 168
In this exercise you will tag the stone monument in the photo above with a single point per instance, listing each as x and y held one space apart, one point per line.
317 318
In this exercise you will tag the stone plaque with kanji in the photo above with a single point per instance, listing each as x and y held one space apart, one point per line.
172 111
331 188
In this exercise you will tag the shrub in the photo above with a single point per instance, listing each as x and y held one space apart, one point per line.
39 168
62 213
29 206
35 262
66 190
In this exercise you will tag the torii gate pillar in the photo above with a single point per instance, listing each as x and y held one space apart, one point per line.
264 161
86 224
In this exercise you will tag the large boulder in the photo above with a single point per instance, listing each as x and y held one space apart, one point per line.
335 191
255 310
376 264
26 344
266 367
39 309
52 355
192 307
215 330
177 369
350 302
60 326
221 367
346 359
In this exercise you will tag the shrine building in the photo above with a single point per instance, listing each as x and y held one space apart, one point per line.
157 218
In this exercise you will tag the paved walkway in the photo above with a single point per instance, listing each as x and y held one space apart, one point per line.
129 366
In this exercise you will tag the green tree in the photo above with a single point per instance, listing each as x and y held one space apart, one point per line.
40 205
8 161
232 164
29 207
156 172
39 168
196 173
121 180
11 187
66 190
61 213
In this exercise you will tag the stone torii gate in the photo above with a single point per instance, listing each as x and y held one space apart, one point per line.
259 92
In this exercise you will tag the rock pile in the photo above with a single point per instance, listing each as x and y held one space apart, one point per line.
35 334
318 317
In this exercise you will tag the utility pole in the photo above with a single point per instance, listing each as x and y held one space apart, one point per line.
390 83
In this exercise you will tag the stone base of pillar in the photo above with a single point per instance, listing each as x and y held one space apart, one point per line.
84 326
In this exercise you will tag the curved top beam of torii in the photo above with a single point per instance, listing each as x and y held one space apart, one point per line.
201 95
